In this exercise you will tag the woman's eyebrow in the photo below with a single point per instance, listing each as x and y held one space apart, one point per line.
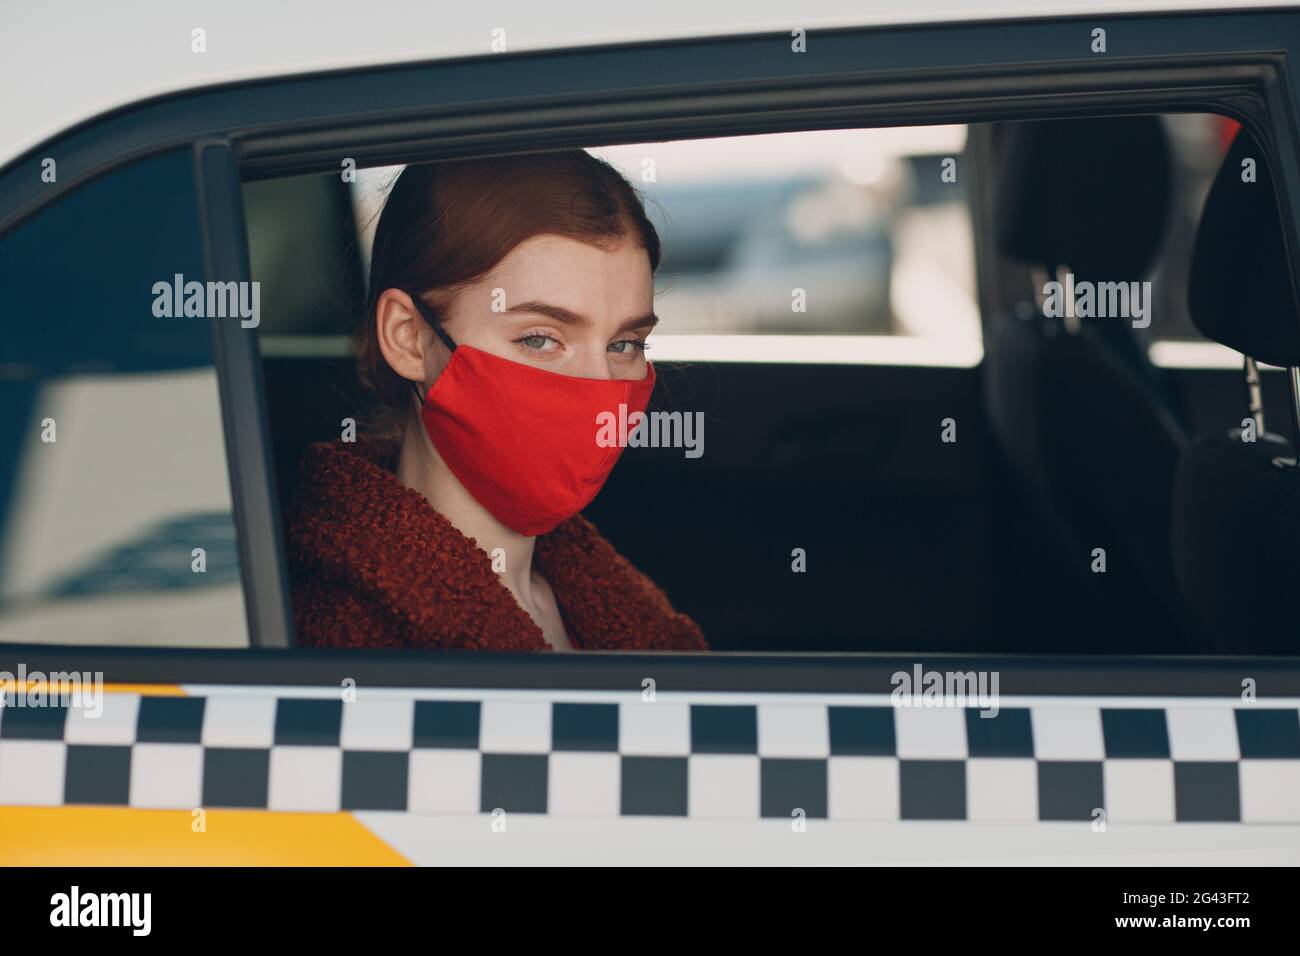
647 321
567 316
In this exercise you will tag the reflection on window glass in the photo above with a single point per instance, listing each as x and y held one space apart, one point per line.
814 233
116 524
844 232
1197 142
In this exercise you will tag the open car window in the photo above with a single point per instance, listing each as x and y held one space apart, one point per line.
869 476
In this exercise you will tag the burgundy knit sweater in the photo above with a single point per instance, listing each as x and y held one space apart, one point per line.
372 564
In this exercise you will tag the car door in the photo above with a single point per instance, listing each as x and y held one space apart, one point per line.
156 700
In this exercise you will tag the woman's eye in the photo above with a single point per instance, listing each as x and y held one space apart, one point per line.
539 342
627 346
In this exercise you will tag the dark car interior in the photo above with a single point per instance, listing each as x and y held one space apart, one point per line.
1236 505
1069 439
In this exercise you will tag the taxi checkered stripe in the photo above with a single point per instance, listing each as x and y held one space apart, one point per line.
1176 763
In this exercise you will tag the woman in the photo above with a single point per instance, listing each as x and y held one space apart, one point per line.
509 303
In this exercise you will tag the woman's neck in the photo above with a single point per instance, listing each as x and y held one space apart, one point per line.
420 467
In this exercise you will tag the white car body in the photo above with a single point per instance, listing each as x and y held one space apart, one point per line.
62 67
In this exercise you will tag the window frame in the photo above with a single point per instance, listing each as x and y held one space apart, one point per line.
262 566
1234 63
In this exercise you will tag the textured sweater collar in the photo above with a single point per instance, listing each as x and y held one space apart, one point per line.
363 539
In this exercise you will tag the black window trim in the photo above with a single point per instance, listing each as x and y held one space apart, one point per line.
870 673
1238 67
1019 56
262 565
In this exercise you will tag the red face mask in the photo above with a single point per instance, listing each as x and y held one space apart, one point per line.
522 440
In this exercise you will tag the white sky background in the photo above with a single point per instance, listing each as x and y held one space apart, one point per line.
856 153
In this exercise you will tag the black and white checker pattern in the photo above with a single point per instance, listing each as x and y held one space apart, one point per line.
1164 763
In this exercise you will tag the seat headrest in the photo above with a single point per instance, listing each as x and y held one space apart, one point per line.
1090 194
1239 293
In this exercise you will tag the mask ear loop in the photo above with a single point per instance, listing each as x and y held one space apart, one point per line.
434 324
428 316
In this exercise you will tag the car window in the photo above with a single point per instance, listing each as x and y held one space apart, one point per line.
116 523
877 221
816 234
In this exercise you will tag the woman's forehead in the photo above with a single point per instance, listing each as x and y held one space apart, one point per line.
611 282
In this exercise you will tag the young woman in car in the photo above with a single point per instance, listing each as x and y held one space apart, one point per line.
508 306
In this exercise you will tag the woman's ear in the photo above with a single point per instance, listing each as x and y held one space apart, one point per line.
405 339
